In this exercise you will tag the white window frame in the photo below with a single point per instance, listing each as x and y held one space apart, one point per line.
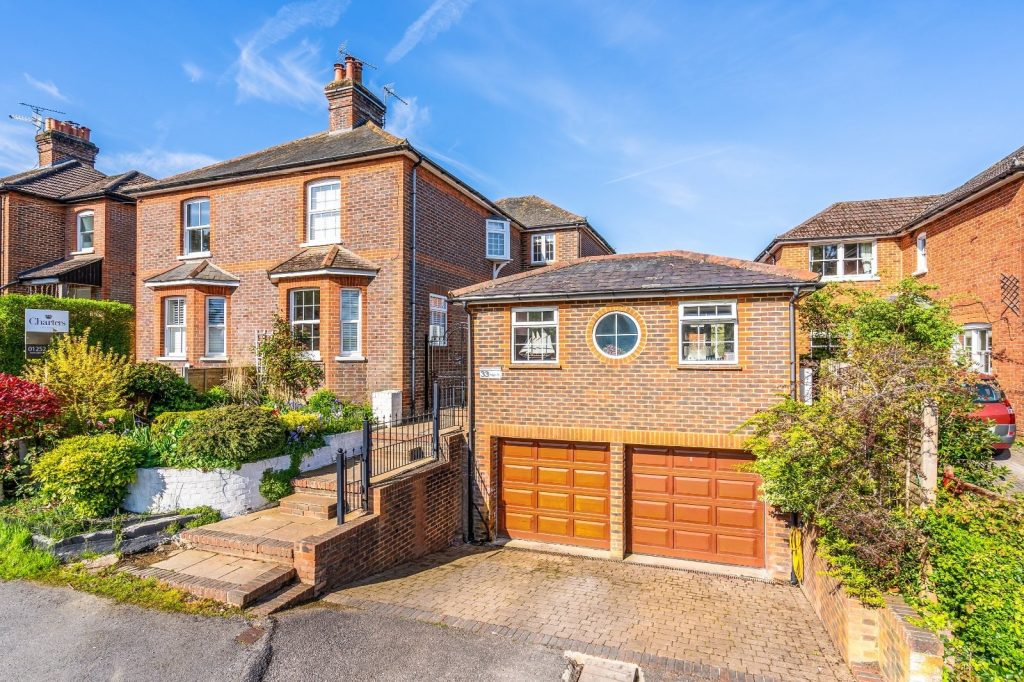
182 353
438 307
293 323
185 248
223 326
501 227
714 318
357 353
639 335
514 325
547 246
310 213
921 248
841 259
92 233
980 357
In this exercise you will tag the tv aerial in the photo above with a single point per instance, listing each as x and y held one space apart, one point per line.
343 51
38 117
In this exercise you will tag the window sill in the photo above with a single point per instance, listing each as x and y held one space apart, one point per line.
194 255
541 263
327 242
82 252
919 273
851 278
720 366
535 365
350 358
218 358
172 358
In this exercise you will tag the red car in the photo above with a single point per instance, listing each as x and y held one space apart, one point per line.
995 408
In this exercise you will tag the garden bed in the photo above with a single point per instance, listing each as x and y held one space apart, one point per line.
230 491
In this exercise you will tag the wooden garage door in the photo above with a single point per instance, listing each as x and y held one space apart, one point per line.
693 504
555 492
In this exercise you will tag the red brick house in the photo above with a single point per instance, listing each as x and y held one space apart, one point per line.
352 235
608 401
67 229
553 234
967 241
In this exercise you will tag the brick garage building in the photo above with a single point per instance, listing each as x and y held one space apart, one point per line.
608 402
352 235
67 229
968 242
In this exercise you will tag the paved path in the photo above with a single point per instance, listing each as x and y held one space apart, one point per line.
690 622
1014 460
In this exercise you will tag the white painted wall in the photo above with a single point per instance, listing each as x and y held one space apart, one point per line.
232 492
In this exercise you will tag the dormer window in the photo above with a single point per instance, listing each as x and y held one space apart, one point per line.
542 249
85 230
497 240
197 227
323 212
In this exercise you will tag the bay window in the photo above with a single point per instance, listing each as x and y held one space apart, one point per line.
535 335
708 333
351 323
843 260
304 317
216 325
174 327
497 239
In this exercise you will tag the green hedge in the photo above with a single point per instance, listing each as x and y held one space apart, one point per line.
225 437
89 473
110 324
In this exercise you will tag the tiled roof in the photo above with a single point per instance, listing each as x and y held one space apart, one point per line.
873 217
203 271
330 257
59 267
635 273
1011 163
533 211
72 180
319 148
121 184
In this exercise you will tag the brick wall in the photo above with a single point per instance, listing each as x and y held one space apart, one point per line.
410 516
880 642
646 399
589 246
968 251
33 233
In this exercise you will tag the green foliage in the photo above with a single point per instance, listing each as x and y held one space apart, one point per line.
218 395
87 379
306 422
18 558
977 575
277 484
157 388
57 521
227 437
89 473
286 371
110 325
207 515
323 402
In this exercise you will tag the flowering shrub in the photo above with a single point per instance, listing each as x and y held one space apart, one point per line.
25 408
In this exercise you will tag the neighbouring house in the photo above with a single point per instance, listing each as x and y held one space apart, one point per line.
609 398
67 229
352 235
553 234
967 241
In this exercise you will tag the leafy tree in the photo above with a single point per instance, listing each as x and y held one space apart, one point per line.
285 370
87 379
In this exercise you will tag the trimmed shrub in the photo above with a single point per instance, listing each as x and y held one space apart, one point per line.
306 422
166 420
88 380
25 408
110 323
158 388
90 473
227 437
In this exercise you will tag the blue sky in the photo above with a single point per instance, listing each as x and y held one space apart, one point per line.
697 125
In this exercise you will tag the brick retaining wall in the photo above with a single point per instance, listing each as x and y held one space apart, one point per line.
876 643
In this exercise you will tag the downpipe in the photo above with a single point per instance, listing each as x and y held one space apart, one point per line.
412 352
792 345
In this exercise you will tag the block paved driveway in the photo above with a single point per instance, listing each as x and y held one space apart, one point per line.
703 625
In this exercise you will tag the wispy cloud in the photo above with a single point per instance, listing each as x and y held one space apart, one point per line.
666 166
17 153
158 162
269 70
439 17
407 120
194 72
49 87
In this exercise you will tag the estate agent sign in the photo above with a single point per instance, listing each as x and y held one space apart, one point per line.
40 326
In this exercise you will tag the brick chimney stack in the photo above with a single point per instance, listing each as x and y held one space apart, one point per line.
63 140
349 103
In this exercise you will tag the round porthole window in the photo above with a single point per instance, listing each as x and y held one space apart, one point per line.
616 335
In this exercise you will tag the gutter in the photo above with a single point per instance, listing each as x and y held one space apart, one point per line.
634 293
412 351
995 183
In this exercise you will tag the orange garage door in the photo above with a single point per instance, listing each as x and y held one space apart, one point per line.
555 492
693 504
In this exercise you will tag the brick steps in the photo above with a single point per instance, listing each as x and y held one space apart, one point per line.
321 484
242 546
317 506
229 579
286 597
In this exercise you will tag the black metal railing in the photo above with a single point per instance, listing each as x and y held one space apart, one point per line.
392 445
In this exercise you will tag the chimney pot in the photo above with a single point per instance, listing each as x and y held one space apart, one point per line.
339 72
349 103
72 143
350 68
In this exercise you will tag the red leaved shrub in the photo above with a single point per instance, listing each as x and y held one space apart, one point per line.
25 408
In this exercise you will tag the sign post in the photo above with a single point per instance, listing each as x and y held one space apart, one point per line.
40 327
